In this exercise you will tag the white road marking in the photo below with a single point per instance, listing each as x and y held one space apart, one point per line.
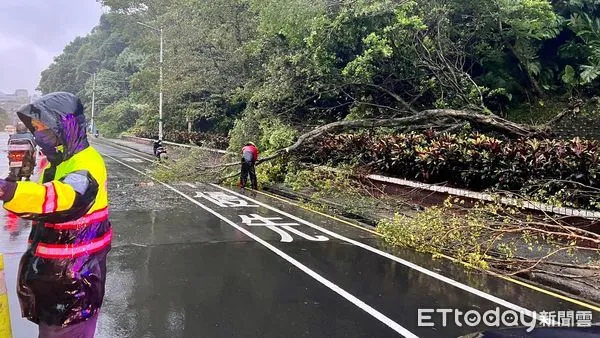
397 259
132 160
120 148
359 303
317 238
285 237
127 152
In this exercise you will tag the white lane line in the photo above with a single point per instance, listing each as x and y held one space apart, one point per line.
125 151
120 148
397 259
359 303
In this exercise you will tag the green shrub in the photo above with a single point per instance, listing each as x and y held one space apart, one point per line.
539 168
438 231
268 132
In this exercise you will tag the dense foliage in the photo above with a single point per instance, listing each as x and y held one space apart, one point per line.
565 172
302 63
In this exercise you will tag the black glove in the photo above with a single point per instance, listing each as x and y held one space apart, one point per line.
7 190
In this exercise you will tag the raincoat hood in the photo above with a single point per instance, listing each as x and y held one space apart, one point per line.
63 113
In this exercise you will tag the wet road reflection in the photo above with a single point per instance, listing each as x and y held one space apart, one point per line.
14 233
13 230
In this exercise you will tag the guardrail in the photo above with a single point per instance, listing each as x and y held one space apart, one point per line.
488 197
5 328
148 141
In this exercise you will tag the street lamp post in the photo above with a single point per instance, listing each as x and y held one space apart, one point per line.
93 97
160 95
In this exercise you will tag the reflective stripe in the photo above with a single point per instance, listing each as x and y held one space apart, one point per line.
73 250
95 217
50 201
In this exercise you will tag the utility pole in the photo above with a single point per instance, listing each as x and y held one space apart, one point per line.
160 95
93 98
160 99
93 101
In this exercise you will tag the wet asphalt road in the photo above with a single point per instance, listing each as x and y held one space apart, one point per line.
197 260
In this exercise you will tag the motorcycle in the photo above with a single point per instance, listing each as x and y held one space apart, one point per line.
21 159
96 134
159 151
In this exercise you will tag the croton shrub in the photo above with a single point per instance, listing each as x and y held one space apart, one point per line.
564 172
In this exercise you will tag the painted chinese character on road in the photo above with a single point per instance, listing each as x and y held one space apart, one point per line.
282 228
224 200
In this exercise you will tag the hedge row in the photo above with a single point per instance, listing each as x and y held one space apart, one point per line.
476 162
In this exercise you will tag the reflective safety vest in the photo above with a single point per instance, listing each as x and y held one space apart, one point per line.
62 274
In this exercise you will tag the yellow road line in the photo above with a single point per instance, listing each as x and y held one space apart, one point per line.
5 329
507 278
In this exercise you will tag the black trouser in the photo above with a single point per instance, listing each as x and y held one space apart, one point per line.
248 168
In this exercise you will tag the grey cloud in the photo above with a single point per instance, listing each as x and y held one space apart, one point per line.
32 32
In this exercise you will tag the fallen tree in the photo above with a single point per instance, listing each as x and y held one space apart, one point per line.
444 120
504 240
428 119
437 119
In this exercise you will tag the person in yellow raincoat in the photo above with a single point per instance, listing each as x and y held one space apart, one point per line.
63 272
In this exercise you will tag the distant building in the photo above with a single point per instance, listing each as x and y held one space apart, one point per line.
11 102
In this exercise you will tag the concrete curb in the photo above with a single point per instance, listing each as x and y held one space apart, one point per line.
5 327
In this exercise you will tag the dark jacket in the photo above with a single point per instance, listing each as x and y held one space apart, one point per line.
62 274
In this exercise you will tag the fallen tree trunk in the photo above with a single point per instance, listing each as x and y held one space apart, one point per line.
435 118
490 122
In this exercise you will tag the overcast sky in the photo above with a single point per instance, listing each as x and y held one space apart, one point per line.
33 32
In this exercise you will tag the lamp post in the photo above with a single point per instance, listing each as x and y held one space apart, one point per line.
93 97
160 95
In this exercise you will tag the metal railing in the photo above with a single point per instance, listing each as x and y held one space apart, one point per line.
150 141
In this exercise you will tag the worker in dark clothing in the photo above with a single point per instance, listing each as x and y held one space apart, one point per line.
249 158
